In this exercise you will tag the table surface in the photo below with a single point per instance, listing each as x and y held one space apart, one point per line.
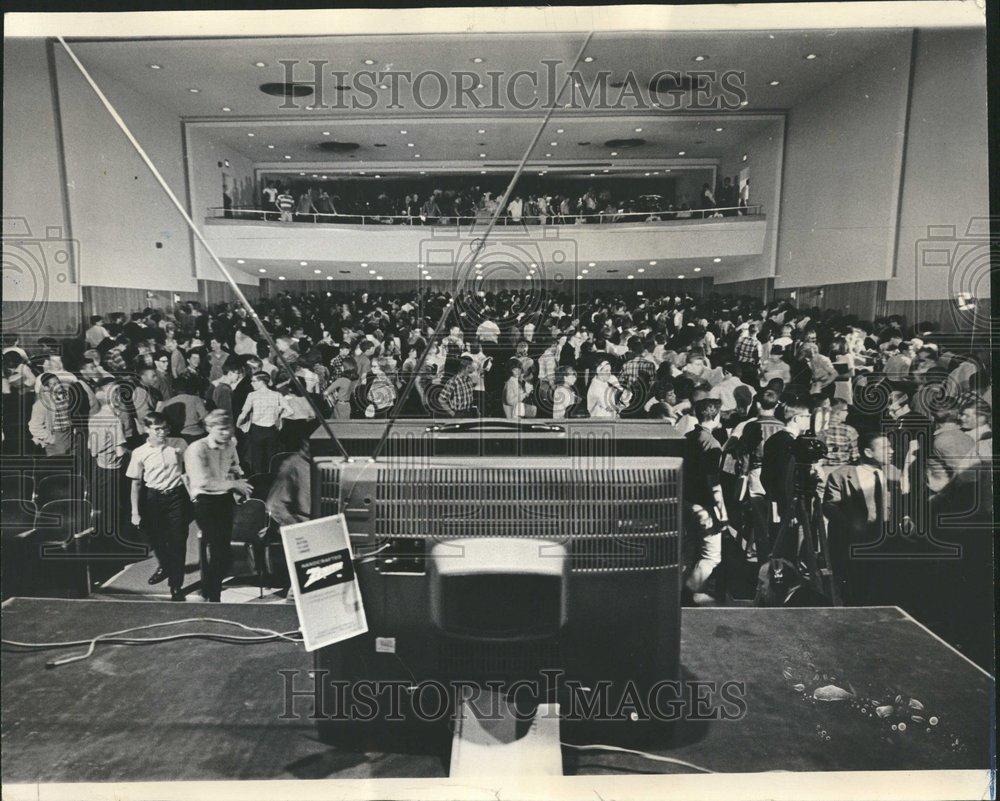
197 709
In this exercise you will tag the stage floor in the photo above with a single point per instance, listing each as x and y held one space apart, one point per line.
201 710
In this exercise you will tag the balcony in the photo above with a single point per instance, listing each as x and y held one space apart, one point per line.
403 242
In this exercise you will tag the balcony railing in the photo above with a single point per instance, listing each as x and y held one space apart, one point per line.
259 215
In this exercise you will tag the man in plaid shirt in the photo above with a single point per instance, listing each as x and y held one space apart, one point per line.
748 346
458 395
840 438
337 362
639 372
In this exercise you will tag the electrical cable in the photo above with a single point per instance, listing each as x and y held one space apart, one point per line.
116 638
236 289
643 754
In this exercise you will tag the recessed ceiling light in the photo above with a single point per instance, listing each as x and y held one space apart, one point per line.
482 172
482 155
533 265
630 277
270 147
371 272
383 86
744 102
810 57
226 108
579 278
251 134
603 170
326 133
241 261
638 130
315 175
329 278
364 263
261 270
303 264
548 155
423 172
260 64
585 272
681 275
588 59
477 60
281 278
641 270
697 269
554 144
409 144
287 157
591 264
369 61
378 277
403 132
317 272
716 259
155 67
593 174
194 91
376 175
775 83
745 157
614 152
362 172
427 278
323 177
560 130
656 172
652 264
718 129
302 173
680 152
700 58
482 130
426 272
479 266
416 155
647 174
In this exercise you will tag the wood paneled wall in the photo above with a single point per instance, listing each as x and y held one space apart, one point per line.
762 288
212 292
33 319
945 314
107 299
694 287
864 299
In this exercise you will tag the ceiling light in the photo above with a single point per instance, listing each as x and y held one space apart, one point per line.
479 266
589 59
614 152
593 174
631 277
579 278
241 261
482 130
287 157
281 278
376 175
403 132
697 269
680 152
260 64
584 272
383 86
482 155
364 264
423 172
604 171
323 177
261 270
315 175
482 172
591 264
560 130
302 173
426 272
226 108
554 144
744 102
251 134
378 277
155 67
420 266
810 57
194 91
548 155
326 133
477 60
745 157
427 278
656 172
270 147
361 172
716 259
717 130
409 144
416 155
700 58
369 61
317 272
652 264
638 130
641 270
647 174
371 272
681 275
775 83
533 265
303 264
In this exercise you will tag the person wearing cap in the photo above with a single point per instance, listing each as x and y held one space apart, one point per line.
215 477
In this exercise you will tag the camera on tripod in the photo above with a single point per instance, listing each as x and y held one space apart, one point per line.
807 451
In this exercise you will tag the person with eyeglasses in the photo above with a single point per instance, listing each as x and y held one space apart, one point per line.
162 379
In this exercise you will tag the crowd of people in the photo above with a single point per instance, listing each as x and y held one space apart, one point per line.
902 416
448 206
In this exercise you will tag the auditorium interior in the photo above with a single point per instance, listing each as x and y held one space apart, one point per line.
419 360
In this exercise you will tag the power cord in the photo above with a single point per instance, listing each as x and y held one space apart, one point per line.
644 754
116 638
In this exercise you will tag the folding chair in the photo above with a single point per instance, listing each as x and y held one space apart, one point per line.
60 487
57 562
249 527
17 484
